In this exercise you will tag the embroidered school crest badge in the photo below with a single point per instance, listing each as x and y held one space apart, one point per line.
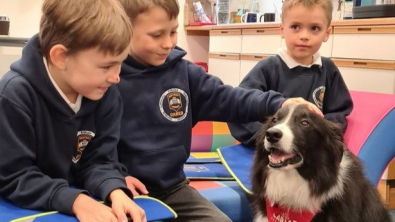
83 138
318 96
173 104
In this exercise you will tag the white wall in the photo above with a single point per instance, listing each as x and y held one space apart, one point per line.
24 22
196 46
25 18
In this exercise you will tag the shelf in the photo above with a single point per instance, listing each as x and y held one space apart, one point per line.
198 30
204 30
13 41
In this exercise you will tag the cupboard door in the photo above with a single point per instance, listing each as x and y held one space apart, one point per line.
364 42
225 41
226 67
264 41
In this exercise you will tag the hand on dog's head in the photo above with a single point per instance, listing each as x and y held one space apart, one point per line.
310 132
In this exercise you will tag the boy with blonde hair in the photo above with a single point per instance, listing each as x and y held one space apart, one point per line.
300 70
60 116
164 97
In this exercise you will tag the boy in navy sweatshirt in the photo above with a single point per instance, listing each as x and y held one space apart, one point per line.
60 116
300 71
164 97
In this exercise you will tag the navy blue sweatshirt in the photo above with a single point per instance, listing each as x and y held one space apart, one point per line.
45 146
322 86
163 103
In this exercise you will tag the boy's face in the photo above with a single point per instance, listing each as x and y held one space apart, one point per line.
154 36
304 31
89 73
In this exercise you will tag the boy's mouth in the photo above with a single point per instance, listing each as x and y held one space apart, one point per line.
162 56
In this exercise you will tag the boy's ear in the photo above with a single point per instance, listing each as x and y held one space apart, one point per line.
327 33
282 30
58 56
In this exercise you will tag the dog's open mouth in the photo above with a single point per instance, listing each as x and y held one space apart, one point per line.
278 158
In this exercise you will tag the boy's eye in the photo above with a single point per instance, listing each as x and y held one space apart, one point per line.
315 28
106 67
294 27
156 35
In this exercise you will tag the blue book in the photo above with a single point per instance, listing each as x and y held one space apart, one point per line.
154 209
207 171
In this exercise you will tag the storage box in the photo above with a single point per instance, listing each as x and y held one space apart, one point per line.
4 25
190 15
373 11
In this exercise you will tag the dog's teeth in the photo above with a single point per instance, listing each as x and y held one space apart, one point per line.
283 159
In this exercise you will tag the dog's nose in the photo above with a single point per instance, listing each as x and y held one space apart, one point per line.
273 135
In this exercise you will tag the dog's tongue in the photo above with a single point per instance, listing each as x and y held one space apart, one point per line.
278 155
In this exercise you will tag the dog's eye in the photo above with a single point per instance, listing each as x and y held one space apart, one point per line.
305 123
274 120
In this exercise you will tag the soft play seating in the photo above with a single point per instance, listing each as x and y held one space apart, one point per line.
370 135
227 195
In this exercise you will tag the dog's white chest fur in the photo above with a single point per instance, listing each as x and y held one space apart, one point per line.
290 189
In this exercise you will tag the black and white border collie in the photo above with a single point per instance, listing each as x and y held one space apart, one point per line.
303 171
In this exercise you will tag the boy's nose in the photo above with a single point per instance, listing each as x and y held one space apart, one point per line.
304 35
114 79
167 43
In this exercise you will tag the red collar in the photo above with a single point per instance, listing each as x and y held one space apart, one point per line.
276 213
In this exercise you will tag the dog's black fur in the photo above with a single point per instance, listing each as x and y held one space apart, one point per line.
324 157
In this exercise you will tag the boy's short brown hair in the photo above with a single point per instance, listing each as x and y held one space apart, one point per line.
84 24
135 7
325 4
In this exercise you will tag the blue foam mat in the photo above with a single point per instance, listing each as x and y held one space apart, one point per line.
379 148
207 171
230 199
154 209
238 160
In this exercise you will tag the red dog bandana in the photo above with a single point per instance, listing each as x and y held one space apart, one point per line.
276 213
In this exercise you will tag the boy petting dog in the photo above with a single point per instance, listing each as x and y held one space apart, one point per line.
60 115
164 97
300 70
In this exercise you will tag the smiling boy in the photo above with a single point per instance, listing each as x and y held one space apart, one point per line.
299 70
164 97
60 115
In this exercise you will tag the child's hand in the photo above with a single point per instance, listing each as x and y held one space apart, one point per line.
300 100
123 206
88 209
136 186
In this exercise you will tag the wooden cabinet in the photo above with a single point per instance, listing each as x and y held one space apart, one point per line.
368 75
364 42
225 41
226 67
248 61
260 41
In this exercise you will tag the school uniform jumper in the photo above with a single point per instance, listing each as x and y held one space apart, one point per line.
45 147
161 106
320 84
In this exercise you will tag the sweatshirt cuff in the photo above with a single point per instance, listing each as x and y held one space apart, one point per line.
277 103
107 186
63 199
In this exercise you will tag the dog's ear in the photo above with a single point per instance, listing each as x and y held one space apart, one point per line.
336 140
260 138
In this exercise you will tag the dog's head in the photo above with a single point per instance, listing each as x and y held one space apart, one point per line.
297 138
